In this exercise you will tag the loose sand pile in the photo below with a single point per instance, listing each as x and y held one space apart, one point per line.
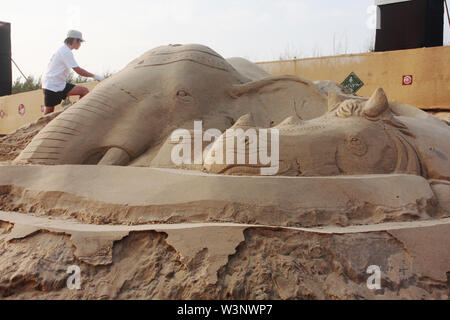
13 144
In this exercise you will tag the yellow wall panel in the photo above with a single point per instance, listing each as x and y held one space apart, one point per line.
430 68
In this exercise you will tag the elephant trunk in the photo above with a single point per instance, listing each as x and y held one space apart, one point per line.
78 135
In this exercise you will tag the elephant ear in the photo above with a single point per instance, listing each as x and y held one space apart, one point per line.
278 97
377 104
258 85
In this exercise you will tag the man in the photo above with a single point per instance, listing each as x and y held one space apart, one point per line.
54 80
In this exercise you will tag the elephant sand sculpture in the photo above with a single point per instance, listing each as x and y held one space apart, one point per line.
128 119
128 116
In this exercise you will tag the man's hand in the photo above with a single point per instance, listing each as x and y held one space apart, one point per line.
98 77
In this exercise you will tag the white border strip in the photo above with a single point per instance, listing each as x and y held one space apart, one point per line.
69 226
383 2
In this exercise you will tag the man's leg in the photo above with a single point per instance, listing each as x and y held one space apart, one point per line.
49 110
78 91
51 99
75 91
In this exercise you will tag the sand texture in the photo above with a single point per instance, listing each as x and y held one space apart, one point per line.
254 262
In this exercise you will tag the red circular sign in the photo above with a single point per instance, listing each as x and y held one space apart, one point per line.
407 80
21 109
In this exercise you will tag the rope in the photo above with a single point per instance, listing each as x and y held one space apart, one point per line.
446 8
26 79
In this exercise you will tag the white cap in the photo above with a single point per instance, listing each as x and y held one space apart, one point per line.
75 34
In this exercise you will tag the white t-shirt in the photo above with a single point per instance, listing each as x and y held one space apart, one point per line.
58 69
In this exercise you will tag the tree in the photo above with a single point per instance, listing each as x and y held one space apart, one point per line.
28 85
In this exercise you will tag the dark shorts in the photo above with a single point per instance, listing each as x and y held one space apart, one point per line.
52 98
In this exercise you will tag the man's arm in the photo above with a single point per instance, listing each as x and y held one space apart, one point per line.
83 72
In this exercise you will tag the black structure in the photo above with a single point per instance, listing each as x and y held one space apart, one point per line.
410 24
5 59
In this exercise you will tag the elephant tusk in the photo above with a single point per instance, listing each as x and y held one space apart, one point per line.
115 157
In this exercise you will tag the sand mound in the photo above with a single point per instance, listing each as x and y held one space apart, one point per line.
12 144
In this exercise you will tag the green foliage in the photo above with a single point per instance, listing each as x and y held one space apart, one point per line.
77 79
30 84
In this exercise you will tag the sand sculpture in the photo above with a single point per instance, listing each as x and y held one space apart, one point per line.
167 88
359 182
354 137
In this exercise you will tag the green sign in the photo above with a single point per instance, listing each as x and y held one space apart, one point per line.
352 83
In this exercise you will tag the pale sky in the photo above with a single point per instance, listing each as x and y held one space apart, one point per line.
119 31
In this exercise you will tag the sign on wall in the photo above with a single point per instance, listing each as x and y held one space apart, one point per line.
407 80
21 109
352 83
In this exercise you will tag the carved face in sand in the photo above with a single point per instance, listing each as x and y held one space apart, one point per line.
354 137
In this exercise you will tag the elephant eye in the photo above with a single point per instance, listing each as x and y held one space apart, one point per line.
356 146
182 93
184 96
